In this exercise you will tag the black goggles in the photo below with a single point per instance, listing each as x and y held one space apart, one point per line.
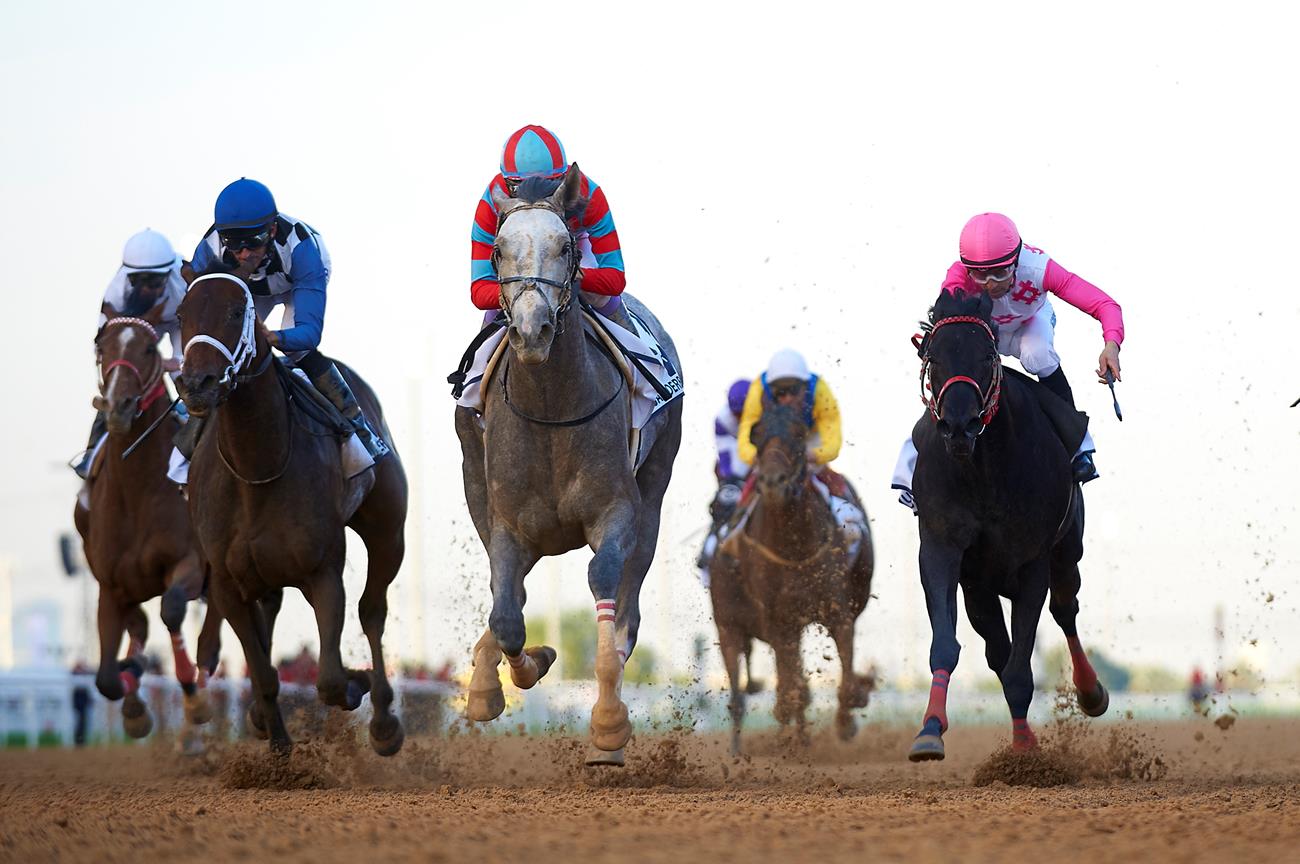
146 279
236 240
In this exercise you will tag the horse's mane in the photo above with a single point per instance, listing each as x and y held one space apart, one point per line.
533 189
779 421
216 267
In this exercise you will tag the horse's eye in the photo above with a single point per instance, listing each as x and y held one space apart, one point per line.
152 349
566 249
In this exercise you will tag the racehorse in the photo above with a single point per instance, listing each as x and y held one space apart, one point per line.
785 567
549 471
999 514
269 503
136 532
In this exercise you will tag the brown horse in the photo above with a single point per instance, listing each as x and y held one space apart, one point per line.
136 532
784 568
269 502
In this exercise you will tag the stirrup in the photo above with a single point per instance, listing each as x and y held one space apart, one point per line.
80 464
1083 468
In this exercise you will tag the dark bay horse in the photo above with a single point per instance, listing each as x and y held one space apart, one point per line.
784 568
999 514
136 532
548 470
267 498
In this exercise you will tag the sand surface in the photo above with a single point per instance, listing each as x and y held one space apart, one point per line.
1124 792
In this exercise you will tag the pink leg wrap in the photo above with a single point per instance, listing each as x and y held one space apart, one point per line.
605 611
1022 737
938 706
1085 679
130 683
186 672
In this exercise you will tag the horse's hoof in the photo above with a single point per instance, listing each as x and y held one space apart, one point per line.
387 746
607 758
610 728
1094 704
926 748
281 748
135 717
484 705
544 656
254 727
198 708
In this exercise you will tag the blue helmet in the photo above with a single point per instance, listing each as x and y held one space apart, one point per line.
244 204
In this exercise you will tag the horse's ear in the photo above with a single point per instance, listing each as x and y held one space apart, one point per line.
569 195
109 311
500 199
154 315
187 272
985 310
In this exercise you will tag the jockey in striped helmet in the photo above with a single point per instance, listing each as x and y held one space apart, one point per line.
534 151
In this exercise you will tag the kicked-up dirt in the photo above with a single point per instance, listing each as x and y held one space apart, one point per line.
1121 791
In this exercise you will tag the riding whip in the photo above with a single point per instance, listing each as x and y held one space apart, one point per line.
152 426
1110 380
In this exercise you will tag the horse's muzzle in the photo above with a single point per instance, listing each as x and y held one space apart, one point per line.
531 341
201 393
959 439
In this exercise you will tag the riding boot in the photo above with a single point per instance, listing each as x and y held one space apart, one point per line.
187 437
1082 466
97 430
333 387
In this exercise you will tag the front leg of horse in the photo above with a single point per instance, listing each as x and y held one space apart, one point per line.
940 567
246 619
730 642
185 584
1018 676
792 694
511 559
855 690
610 727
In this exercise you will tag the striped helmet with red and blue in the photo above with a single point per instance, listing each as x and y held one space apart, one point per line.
533 151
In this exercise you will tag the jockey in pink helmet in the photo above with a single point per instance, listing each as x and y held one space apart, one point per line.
534 151
1019 278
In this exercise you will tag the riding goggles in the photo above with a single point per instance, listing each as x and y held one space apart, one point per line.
985 275
237 240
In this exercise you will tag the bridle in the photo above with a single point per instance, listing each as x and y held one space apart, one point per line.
989 400
534 283
245 349
151 387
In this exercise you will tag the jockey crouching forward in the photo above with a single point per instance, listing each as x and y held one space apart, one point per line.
787 381
1018 278
534 151
284 262
729 469
149 278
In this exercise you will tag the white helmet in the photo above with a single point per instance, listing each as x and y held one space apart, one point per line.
148 252
787 363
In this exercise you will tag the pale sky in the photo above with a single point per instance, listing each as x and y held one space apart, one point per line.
788 175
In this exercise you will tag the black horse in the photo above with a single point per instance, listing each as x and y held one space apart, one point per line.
1002 519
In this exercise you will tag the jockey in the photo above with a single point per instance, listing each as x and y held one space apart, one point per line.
787 381
534 151
1017 278
729 469
150 276
284 262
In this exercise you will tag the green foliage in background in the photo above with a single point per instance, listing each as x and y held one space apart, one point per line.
577 647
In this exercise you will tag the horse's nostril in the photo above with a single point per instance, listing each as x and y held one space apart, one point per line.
944 427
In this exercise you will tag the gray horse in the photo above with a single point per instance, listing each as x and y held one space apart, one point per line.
548 469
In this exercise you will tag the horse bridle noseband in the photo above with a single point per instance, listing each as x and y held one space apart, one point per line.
245 349
150 388
989 401
533 283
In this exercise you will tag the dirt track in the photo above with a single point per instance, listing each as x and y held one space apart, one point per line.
1224 794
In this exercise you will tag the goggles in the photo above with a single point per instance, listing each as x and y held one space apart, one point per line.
237 240
985 275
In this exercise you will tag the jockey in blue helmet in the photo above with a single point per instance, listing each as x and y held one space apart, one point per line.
284 262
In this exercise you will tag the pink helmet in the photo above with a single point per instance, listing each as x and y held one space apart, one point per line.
989 240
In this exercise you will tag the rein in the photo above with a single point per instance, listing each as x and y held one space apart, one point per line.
989 401
587 418
245 349
773 557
